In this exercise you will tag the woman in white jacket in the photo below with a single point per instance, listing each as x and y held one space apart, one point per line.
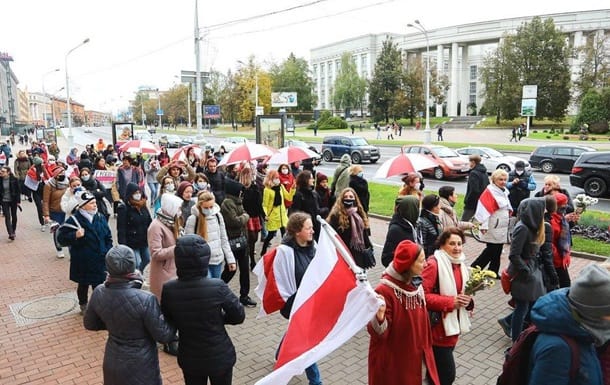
206 220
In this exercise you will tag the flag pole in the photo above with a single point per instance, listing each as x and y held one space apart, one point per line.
343 250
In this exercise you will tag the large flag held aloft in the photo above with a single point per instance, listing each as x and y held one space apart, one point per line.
333 303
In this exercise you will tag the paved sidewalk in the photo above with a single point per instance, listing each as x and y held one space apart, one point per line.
42 340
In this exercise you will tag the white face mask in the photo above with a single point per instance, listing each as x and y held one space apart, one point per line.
284 171
170 187
206 212
276 182
85 177
136 197
202 185
519 172
51 162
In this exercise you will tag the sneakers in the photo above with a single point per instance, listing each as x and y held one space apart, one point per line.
505 326
247 302
60 254
43 228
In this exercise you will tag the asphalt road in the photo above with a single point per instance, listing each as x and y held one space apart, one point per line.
387 152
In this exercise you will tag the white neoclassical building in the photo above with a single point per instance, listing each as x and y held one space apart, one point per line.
457 52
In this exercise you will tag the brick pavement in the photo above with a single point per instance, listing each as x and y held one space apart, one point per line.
59 351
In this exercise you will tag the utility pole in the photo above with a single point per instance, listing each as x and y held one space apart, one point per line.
198 71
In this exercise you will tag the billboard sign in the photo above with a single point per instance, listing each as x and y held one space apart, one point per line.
283 99
530 92
528 107
211 112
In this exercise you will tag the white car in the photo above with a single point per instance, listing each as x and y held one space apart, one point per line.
493 159
203 143
228 144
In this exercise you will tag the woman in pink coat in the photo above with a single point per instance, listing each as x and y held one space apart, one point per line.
162 235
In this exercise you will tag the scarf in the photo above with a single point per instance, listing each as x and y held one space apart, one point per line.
135 277
410 299
138 204
597 327
277 198
170 222
357 225
456 321
491 200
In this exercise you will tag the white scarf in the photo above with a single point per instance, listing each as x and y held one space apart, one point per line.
457 321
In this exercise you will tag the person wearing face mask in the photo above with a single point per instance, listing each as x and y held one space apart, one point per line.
411 186
133 219
447 215
276 213
520 185
166 186
95 187
403 226
288 181
306 200
68 200
185 192
429 223
50 163
200 183
52 193
360 185
89 238
252 200
348 218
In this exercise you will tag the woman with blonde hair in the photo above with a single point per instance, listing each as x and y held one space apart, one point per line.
276 213
552 185
350 221
206 221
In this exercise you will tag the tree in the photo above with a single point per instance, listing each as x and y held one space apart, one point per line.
228 100
595 111
293 75
411 98
247 80
385 81
349 88
595 66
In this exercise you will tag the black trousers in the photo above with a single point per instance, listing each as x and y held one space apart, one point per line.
445 364
222 378
564 277
10 216
37 196
490 255
243 265
82 292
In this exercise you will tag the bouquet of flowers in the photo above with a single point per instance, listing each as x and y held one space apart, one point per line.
582 201
479 279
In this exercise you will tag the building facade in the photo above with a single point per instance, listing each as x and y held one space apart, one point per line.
457 52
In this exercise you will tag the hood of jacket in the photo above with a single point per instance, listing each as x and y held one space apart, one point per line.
552 314
233 187
407 207
192 255
531 213
480 168
346 160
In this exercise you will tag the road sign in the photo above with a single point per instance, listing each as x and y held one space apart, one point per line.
528 107
530 92
160 112
191 76
211 112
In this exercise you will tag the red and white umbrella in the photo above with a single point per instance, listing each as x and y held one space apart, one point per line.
180 155
291 154
403 164
247 152
140 146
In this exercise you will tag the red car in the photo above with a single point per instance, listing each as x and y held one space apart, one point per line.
451 164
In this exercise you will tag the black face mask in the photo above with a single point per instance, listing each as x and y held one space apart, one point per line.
61 178
348 202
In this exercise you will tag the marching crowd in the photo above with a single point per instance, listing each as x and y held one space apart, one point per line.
189 226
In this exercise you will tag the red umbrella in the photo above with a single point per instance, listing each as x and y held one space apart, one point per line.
291 154
140 146
182 151
403 164
247 152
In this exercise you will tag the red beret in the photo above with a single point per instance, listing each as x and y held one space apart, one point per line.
405 255
561 199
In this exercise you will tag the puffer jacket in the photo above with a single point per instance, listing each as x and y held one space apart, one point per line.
449 218
550 357
51 197
200 307
134 322
132 223
429 227
234 215
217 234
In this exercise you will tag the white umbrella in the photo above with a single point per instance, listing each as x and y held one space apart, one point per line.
291 154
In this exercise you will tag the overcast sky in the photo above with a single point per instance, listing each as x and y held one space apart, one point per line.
148 42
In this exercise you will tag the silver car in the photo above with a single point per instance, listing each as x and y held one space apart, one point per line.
494 159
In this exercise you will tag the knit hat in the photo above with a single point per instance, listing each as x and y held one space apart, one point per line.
589 294
182 186
56 170
120 261
37 161
171 204
561 199
519 165
405 255
83 197
233 187
320 178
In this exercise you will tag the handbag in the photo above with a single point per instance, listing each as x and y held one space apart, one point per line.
506 280
238 244
365 258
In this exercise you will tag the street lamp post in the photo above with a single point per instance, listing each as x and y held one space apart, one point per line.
421 28
46 104
69 110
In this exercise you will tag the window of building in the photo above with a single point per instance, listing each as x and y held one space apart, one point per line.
473 88
364 65
473 72
472 99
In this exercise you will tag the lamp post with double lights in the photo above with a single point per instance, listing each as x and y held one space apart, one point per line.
69 109
46 104
427 132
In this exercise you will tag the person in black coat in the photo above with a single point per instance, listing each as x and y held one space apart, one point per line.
133 219
133 319
94 186
429 224
252 200
216 179
10 199
306 200
403 225
477 182
360 185
200 307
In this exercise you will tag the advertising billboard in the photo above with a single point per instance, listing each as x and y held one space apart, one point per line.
283 99
211 112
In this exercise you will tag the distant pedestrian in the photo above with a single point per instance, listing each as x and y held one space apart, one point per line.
521 131
353 127
388 128
10 197
513 135
378 128
400 130
439 133
315 129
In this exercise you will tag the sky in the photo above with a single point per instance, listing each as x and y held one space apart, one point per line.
136 43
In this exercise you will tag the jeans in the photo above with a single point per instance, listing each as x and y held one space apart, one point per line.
490 255
313 375
520 314
214 271
445 364
142 257
223 378
59 218
154 188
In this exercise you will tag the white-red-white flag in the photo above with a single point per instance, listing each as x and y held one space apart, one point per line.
491 199
330 306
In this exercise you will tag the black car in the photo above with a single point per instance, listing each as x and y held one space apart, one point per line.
557 157
334 147
591 172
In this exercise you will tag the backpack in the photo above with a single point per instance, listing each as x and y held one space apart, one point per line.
516 367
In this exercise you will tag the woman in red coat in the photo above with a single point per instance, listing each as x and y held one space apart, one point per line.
445 278
562 240
400 350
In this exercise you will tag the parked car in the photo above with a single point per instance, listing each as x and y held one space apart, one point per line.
228 144
493 159
557 157
143 135
450 163
333 147
591 172
170 141
202 142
